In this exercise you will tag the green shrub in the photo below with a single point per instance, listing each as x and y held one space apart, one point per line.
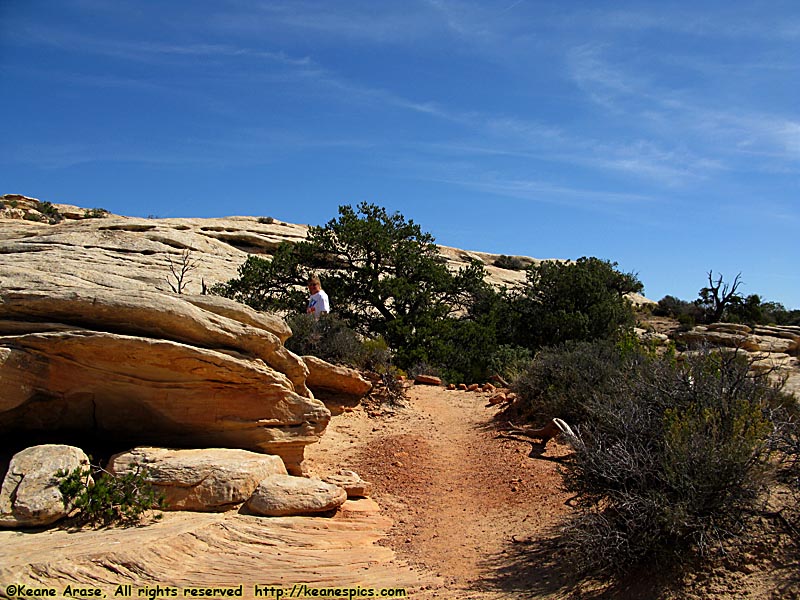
95 213
50 212
266 220
670 459
327 337
580 300
332 340
376 355
509 362
104 498
512 263
786 443
560 381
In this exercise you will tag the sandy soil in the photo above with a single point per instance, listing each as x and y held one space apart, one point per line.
474 511
465 500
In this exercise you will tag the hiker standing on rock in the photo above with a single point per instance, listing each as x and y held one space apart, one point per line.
318 303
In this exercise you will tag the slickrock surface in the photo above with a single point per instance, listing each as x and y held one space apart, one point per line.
211 550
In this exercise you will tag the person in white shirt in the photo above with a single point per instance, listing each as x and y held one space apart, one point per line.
318 303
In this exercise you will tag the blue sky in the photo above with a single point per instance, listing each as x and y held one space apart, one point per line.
664 136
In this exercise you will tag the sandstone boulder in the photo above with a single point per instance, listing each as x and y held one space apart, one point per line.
427 380
284 495
327 379
350 482
212 479
29 496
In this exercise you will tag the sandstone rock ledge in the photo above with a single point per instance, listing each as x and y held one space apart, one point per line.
212 550
151 367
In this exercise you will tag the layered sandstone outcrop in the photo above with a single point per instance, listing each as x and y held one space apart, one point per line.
772 349
152 368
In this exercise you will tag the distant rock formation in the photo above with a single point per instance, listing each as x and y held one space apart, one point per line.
770 349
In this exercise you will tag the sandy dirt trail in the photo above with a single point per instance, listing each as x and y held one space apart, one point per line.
465 502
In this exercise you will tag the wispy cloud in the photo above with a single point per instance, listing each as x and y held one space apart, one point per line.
147 51
370 22
546 192
719 132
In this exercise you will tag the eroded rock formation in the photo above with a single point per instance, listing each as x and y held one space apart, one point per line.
153 368
30 496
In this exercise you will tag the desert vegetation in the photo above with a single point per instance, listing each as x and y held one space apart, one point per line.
673 454
101 498
722 301
389 282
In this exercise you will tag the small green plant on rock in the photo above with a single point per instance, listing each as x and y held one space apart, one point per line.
50 212
104 498
512 263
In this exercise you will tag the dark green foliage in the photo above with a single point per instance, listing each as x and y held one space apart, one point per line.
560 381
330 339
754 311
49 211
386 279
95 213
670 455
327 337
670 306
509 362
266 220
104 498
268 284
512 263
751 310
581 300
387 275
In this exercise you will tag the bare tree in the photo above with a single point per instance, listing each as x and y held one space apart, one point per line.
718 295
180 270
